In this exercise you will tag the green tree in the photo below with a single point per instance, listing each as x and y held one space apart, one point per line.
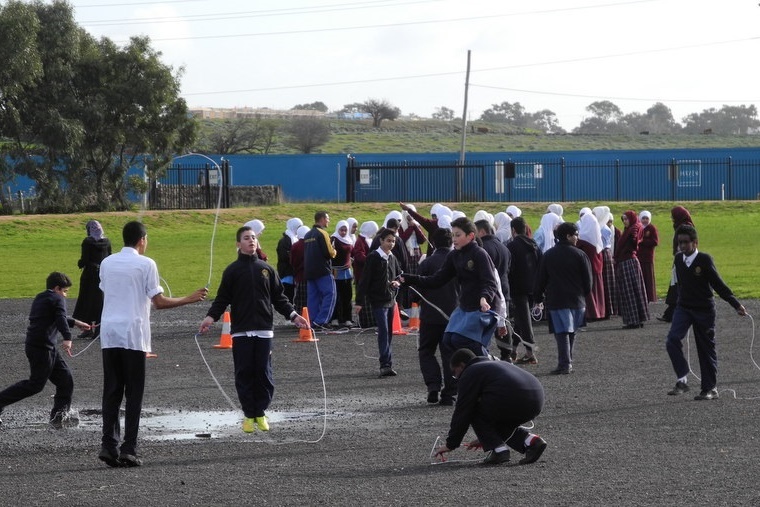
131 110
314 106
306 133
380 110
39 116
444 113
514 114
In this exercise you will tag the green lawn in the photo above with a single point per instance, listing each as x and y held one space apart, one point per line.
180 241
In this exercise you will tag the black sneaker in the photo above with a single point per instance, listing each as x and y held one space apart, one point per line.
680 388
56 421
496 458
387 371
129 460
711 394
446 401
534 451
432 397
110 458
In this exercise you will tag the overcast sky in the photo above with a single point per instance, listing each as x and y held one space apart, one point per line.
560 55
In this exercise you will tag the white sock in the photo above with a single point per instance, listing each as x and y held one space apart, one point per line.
501 448
529 439
683 379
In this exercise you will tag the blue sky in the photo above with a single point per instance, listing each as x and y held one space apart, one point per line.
546 54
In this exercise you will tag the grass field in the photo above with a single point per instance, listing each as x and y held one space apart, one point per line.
180 241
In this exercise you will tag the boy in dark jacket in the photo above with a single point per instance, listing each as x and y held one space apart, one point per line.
47 318
251 288
697 278
379 286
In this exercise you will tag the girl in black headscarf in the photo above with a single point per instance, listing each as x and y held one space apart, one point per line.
95 247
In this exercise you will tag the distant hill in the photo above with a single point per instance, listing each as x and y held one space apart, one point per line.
433 136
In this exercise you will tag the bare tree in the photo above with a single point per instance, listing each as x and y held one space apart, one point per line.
305 134
240 135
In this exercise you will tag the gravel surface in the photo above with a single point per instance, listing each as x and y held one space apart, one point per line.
615 437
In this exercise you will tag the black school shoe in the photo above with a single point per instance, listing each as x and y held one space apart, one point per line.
110 458
533 451
496 458
680 388
432 397
711 394
129 460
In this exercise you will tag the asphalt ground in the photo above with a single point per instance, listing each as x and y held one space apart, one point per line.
614 436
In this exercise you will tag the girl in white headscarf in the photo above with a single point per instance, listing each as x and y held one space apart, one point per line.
544 236
602 215
557 209
257 226
590 241
413 237
503 227
341 267
284 268
392 214
353 226
513 211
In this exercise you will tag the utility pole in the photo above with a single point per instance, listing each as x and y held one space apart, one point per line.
464 113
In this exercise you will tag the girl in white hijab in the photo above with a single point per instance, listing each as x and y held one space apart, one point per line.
544 236
291 228
483 215
513 211
444 222
557 209
353 226
257 226
341 267
503 227
393 214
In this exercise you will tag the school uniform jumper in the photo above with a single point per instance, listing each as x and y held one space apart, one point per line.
375 287
696 309
47 318
495 398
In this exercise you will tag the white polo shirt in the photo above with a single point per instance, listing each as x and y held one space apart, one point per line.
129 282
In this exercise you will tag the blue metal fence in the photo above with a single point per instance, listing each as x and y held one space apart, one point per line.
543 179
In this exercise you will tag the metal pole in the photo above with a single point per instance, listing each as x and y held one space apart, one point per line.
464 113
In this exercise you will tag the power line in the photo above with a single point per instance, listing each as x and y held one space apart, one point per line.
126 4
489 69
256 14
397 24
583 96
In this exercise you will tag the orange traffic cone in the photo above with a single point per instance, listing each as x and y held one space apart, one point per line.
397 329
225 342
306 335
414 317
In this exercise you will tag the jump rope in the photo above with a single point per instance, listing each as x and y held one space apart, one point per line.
229 400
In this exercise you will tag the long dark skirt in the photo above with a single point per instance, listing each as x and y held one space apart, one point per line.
647 271
90 300
608 278
632 298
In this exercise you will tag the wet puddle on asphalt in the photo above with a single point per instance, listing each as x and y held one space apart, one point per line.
156 424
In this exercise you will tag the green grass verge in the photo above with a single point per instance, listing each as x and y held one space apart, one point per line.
180 241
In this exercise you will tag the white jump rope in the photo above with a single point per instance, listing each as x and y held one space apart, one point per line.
751 357
231 403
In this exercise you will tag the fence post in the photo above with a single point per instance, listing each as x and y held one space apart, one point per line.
207 184
226 190
350 179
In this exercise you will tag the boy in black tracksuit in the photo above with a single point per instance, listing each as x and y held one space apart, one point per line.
697 278
251 287
47 318
379 285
